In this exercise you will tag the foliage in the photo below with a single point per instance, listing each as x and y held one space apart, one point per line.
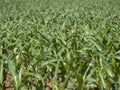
67 44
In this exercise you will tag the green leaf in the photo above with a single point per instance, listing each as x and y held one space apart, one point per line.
101 75
1 72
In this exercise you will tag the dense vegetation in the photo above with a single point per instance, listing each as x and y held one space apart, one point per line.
60 44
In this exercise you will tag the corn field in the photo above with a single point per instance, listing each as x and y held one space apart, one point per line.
59 45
